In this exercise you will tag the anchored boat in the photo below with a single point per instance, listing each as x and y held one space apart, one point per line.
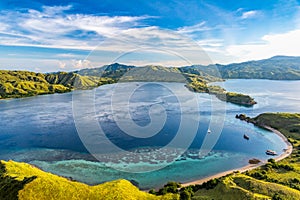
246 137
271 153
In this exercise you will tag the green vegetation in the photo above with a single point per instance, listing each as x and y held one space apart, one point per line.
23 181
9 186
286 123
200 85
287 171
237 98
274 180
240 186
16 84
275 68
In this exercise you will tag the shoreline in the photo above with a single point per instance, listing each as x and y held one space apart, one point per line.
285 154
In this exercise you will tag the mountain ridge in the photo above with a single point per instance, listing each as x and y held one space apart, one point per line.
270 68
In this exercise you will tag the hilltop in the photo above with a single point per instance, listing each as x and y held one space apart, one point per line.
24 181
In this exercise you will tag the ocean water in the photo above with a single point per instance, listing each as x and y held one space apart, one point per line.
149 133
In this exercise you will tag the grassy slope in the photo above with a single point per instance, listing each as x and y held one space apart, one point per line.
23 83
43 185
268 180
289 125
16 84
239 186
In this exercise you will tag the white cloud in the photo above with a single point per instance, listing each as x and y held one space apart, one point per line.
51 27
195 28
61 65
250 14
273 44
211 42
54 28
66 55
81 64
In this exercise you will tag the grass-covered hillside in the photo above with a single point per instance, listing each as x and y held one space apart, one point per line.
274 180
275 68
286 123
25 182
16 84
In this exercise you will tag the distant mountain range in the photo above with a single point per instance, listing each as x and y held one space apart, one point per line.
14 84
275 68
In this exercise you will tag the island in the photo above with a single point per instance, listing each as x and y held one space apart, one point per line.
202 86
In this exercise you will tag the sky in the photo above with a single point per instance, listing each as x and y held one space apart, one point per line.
59 35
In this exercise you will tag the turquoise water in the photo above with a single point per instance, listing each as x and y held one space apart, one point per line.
42 131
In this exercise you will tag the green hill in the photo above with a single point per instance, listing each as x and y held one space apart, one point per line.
26 182
72 80
114 71
16 84
275 68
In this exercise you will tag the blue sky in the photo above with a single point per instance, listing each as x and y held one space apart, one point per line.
61 35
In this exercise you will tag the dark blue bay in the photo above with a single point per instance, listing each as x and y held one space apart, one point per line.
41 130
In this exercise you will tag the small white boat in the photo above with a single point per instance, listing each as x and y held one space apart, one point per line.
208 131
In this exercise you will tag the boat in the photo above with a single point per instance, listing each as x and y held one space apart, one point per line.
246 137
208 131
271 153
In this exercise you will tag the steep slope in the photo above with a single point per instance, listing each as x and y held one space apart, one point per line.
30 183
14 84
72 80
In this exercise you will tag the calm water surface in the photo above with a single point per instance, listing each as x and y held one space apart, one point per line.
41 130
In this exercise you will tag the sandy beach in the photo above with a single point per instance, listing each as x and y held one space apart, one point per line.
285 154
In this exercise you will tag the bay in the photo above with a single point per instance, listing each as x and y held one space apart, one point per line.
42 131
